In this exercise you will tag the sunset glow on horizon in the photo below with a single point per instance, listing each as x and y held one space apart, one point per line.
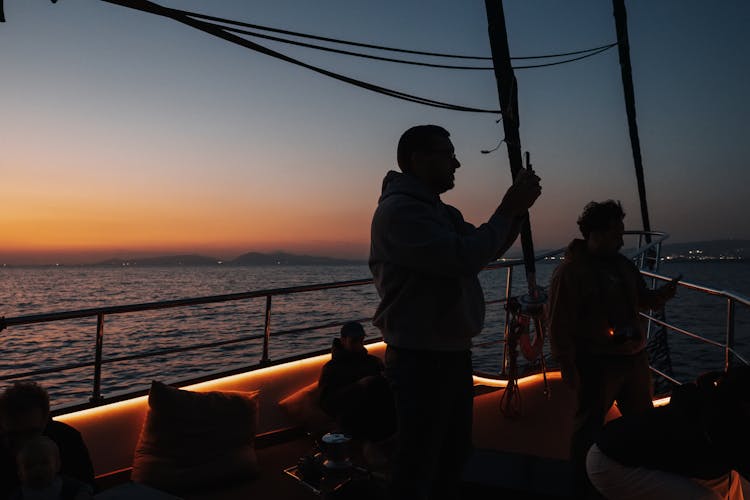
129 135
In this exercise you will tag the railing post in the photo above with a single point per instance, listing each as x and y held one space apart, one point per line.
658 257
729 345
508 287
267 331
640 244
96 395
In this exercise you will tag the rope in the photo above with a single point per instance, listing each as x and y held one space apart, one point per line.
596 51
355 54
567 60
510 401
373 46
333 40
180 16
659 354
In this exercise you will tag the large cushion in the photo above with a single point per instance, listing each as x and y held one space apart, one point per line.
303 408
193 440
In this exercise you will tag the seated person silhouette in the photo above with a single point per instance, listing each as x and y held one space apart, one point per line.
24 415
39 471
686 449
353 389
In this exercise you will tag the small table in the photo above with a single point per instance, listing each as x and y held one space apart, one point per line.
330 480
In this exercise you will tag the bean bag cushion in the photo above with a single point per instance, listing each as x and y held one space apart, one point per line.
191 440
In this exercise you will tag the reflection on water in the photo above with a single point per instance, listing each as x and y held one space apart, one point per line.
46 345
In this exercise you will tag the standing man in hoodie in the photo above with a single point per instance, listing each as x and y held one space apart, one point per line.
596 332
425 260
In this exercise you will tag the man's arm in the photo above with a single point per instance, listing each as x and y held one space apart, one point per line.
412 234
515 228
654 299
74 455
328 385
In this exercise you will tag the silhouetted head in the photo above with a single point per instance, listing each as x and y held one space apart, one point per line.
352 336
24 412
601 225
426 152
38 462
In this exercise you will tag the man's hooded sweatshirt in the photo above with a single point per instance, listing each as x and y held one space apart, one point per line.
425 260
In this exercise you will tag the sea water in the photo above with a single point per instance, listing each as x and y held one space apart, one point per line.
34 290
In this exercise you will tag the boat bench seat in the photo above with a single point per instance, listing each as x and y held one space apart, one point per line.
286 400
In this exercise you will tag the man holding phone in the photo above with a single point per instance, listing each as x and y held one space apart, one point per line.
425 260
596 332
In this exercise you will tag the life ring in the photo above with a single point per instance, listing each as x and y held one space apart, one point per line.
531 350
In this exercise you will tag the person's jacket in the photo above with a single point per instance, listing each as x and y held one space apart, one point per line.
425 259
344 369
594 305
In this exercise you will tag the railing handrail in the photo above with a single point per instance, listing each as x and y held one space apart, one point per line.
701 288
168 304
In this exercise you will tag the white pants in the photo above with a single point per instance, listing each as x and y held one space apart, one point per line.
618 482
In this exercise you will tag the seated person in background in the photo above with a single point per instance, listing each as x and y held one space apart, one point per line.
687 449
39 470
24 414
353 389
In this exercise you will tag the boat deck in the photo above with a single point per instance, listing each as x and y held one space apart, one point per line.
489 475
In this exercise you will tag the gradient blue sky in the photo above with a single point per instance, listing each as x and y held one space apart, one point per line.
127 134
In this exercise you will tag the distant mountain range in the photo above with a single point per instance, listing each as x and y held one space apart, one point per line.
725 250
247 259
693 251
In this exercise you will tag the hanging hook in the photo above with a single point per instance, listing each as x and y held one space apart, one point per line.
488 151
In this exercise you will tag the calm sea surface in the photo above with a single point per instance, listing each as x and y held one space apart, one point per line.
46 345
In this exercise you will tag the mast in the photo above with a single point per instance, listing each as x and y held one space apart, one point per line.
621 23
507 89
527 310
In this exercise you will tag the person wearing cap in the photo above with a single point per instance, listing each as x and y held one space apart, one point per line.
353 389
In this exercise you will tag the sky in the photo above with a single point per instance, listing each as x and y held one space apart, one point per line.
124 134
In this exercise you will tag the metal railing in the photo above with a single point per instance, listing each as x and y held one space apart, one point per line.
101 312
732 299
509 264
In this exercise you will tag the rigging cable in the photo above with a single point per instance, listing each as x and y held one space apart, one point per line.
606 47
332 40
182 17
201 22
588 52
350 53
373 46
